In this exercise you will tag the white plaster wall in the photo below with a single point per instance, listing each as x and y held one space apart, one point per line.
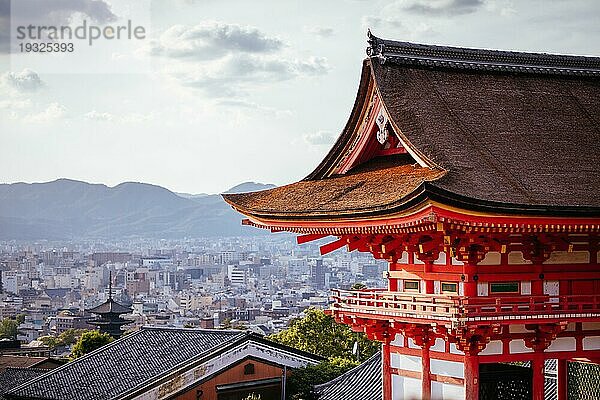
417 261
571 327
410 363
398 340
446 391
564 257
454 349
526 287
590 326
518 346
591 343
482 288
461 289
552 288
516 258
437 287
456 262
404 388
439 345
562 344
441 260
411 344
493 347
404 258
447 368
491 258
518 329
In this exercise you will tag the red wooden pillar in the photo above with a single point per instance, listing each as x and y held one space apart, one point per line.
426 374
537 369
392 282
387 373
537 285
470 284
562 379
428 282
471 377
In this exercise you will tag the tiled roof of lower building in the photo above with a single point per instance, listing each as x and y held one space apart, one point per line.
13 377
126 364
363 382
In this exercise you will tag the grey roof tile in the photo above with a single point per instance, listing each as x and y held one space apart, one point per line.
363 382
126 364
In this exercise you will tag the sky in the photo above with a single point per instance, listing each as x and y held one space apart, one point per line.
221 92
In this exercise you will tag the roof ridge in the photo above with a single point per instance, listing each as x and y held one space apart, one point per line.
400 52
177 329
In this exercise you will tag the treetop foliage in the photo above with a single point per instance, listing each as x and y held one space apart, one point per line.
318 333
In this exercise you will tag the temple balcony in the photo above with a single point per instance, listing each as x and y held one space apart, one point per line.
378 304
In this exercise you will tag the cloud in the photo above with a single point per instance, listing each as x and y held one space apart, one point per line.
319 138
15 104
48 13
387 22
53 112
243 104
98 116
212 40
24 81
60 12
229 75
441 7
321 31
225 60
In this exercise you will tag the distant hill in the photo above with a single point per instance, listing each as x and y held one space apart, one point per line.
66 208
250 187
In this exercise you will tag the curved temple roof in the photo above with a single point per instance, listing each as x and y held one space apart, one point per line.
485 130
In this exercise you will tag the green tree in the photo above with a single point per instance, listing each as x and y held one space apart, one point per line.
49 340
318 333
9 328
67 338
70 336
299 385
90 341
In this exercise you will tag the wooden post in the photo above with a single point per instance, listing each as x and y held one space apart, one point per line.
470 284
426 374
562 379
428 282
537 369
471 377
387 373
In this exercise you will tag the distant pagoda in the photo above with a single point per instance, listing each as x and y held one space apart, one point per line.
109 318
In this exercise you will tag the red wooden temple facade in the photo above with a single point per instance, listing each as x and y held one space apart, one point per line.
475 174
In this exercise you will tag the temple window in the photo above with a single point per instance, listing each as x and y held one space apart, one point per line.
504 287
411 285
449 287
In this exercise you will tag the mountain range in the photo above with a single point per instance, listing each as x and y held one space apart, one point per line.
69 209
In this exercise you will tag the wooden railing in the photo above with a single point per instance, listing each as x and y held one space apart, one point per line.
457 308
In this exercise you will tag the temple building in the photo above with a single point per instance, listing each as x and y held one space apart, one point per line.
168 363
475 174
109 318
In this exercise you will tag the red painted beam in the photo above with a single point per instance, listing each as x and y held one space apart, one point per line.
309 238
328 248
